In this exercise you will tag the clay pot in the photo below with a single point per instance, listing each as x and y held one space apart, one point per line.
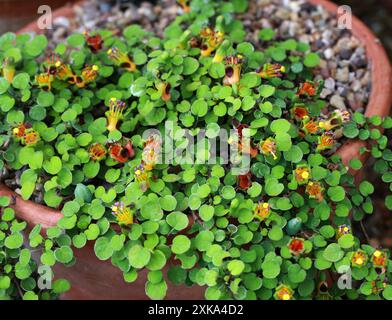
94 279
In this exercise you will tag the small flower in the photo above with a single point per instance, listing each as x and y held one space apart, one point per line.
338 118
20 131
268 147
123 214
52 63
8 69
237 140
121 59
309 126
164 88
116 109
325 141
44 81
299 112
121 153
244 181
212 39
302 174
141 176
89 74
233 70
184 5
378 286
31 137
97 152
379 259
342 230
307 89
151 151
283 292
359 258
262 210
94 42
296 246
65 73
314 190
268 71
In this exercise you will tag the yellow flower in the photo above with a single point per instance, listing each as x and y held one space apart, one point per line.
314 190
233 70
262 210
141 176
8 69
65 73
302 174
221 52
19 131
89 74
269 71
338 118
116 109
283 292
359 258
268 147
212 39
164 88
123 214
342 230
121 59
44 81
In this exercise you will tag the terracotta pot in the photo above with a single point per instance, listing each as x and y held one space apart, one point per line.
94 279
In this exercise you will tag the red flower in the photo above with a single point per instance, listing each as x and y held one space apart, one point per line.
121 153
94 42
244 181
296 246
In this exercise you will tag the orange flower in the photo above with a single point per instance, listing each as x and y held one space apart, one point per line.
379 259
314 190
299 112
283 292
269 71
325 141
296 246
65 73
44 81
237 140
268 147
89 74
302 174
116 109
19 131
310 126
307 89
97 152
262 211
184 5
31 137
121 59
359 258
233 70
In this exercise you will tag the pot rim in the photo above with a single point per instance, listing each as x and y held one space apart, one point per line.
380 100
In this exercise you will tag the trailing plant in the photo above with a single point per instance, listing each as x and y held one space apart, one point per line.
73 135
